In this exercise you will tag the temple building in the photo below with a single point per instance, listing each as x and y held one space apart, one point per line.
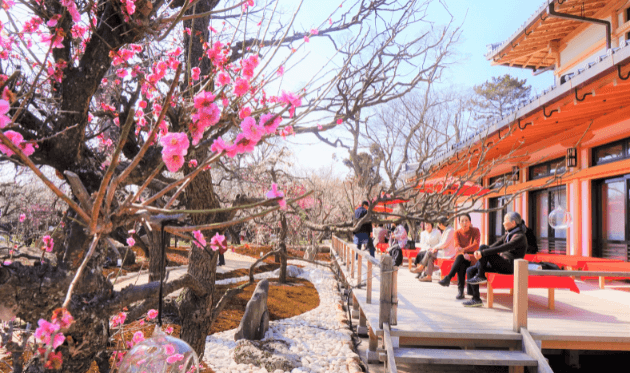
579 127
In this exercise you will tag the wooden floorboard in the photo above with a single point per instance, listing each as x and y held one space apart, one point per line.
428 309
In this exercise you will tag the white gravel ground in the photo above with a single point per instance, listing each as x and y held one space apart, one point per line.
320 337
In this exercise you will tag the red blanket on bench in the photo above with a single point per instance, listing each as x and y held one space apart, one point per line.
607 266
499 281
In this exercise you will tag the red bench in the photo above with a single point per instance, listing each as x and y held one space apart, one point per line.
410 255
499 281
607 266
382 247
569 261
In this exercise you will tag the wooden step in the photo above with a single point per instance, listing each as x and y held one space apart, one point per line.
461 357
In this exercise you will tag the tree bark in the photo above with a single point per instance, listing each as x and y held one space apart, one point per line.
196 311
283 249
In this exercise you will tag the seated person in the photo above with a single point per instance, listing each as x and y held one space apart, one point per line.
498 257
432 242
467 240
399 236
380 234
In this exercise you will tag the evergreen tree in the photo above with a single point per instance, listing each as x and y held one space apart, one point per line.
498 97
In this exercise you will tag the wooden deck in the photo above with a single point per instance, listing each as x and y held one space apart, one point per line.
429 314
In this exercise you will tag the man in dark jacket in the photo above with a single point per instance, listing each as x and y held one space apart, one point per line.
498 257
363 234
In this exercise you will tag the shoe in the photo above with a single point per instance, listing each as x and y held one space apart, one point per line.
473 303
426 279
477 280
446 281
418 269
460 294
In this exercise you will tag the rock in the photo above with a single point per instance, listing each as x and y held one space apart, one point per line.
311 252
292 271
255 321
273 355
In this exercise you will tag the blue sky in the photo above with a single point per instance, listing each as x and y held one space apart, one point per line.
483 22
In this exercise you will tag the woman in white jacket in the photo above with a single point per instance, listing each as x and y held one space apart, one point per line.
429 238
445 248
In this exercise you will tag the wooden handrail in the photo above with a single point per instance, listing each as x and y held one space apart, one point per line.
555 272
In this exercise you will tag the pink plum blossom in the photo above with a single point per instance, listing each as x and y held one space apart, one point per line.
17 140
203 99
131 241
48 243
244 112
173 160
138 337
275 193
280 71
218 242
22 218
314 31
243 144
251 130
169 349
223 79
268 124
306 39
152 314
45 331
241 86
192 163
118 319
218 145
195 73
200 240
62 317
175 142
174 358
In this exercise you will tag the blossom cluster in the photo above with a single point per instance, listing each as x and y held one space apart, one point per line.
49 336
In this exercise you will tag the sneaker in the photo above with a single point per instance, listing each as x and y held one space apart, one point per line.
473 303
477 280
446 281
426 279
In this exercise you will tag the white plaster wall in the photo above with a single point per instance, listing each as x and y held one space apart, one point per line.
586 39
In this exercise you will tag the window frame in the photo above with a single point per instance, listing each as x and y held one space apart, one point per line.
625 151
548 165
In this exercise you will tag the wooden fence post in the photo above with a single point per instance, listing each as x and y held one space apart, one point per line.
359 271
368 294
385 306
394 316
521 273
352 261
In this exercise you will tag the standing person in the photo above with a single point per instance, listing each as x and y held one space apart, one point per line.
363 234
467 240
444 249
498 257
429 238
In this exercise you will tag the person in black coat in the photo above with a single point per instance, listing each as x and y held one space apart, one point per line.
498 257
363 234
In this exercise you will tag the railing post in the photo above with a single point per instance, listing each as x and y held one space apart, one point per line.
521 273
348 255
394 316
385 306
368 290
352 260
359 271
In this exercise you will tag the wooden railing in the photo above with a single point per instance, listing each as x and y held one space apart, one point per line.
352 258
521 274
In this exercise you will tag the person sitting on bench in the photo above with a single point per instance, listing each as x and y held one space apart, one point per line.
467 240
498 257
444 249
429 238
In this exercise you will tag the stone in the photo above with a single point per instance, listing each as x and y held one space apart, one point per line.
311 252
292 271
255 321
272 354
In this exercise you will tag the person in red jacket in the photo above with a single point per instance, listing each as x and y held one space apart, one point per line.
467 240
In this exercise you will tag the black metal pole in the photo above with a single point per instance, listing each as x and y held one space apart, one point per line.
553 13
